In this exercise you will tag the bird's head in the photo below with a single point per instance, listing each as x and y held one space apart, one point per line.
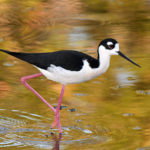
111 47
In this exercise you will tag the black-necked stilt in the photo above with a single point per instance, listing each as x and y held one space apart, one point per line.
68 66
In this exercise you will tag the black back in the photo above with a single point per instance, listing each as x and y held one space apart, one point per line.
67 59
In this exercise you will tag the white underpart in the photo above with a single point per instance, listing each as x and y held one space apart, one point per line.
64 76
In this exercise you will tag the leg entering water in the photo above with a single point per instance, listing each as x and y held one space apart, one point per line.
57 114
56 111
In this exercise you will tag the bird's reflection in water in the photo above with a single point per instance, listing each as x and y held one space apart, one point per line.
56 140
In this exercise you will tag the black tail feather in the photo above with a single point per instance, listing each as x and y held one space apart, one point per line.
28 57
22 56
40 60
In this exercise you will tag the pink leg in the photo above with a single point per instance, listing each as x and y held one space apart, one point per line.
56 111
23 80
57 114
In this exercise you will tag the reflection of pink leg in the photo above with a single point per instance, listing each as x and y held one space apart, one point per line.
57 141
23 80
57 115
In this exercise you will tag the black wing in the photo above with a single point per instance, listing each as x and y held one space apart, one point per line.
67 59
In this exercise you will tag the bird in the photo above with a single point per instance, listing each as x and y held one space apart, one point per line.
69 67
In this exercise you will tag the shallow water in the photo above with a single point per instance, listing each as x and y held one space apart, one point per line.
111 112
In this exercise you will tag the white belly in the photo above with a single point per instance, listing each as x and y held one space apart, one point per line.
64 76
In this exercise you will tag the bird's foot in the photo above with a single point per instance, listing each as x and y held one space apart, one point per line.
56 122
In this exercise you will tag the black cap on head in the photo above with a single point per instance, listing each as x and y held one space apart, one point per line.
108 43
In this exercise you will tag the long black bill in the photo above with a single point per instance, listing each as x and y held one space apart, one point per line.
122 55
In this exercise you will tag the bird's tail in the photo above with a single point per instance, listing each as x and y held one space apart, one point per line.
23 56
8 52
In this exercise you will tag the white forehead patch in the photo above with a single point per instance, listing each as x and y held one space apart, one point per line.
109 43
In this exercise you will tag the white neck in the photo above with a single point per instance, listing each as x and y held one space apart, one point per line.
104 59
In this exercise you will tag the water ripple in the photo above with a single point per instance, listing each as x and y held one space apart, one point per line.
28 129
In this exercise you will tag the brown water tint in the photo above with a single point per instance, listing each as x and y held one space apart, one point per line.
111 112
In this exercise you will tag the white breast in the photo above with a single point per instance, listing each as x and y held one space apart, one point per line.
64 76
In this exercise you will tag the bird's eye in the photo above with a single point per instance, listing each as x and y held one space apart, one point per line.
111 46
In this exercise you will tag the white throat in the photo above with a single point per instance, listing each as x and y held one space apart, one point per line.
104 59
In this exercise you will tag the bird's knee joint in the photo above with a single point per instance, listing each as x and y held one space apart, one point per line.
23 79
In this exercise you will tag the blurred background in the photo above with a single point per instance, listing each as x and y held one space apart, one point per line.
111 112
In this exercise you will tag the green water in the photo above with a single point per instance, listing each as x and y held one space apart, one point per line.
112 112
